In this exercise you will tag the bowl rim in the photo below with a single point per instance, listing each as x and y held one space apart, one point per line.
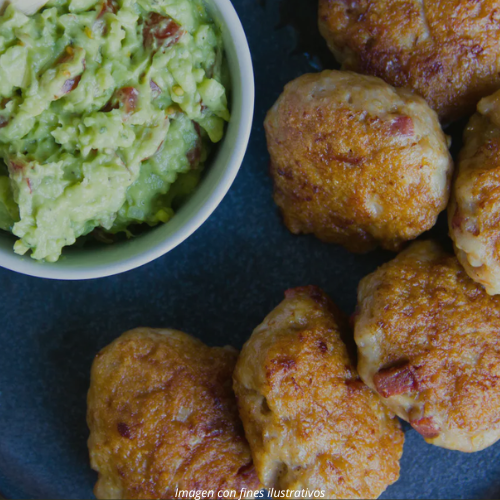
245 75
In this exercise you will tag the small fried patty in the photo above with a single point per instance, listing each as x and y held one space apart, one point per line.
162 415
357 162
428 340
474 212
310 421
445 50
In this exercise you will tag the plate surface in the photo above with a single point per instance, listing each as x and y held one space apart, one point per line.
218 285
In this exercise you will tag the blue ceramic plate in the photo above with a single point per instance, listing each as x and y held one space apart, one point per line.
217 285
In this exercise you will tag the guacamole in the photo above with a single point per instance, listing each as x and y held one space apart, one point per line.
107 113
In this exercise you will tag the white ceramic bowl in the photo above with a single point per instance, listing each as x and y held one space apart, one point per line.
220 172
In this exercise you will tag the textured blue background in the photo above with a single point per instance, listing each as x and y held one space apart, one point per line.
218 285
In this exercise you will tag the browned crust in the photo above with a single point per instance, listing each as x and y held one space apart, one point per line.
423 308
310 421
446 50
351 172
162 415
474 211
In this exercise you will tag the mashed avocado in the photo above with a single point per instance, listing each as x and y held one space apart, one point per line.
107 112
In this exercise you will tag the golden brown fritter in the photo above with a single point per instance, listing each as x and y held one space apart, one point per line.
162 416
474 211
356 161
310 421
446 50
429 342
